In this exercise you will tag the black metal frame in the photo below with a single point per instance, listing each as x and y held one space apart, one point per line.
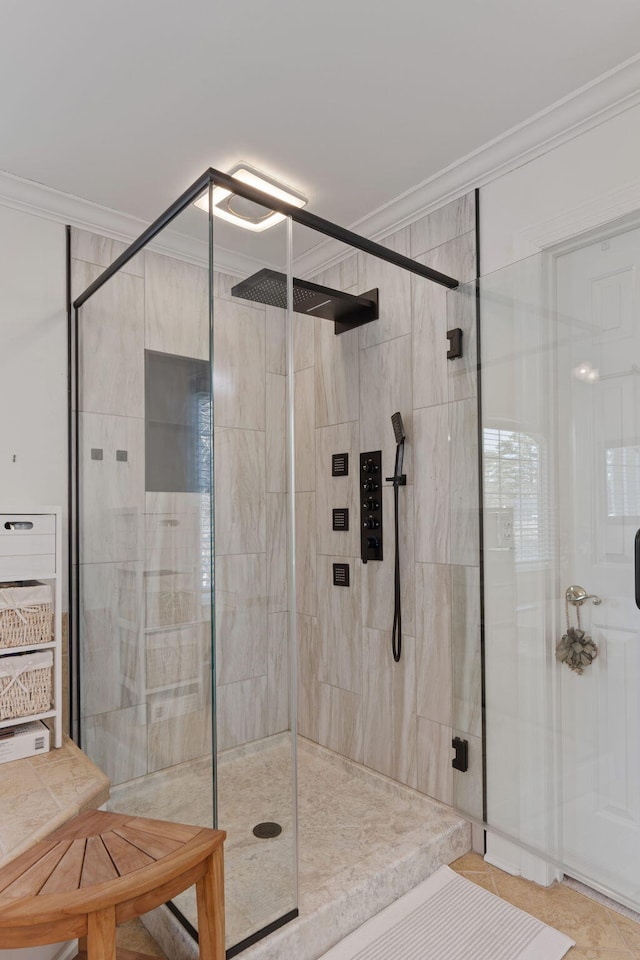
303 217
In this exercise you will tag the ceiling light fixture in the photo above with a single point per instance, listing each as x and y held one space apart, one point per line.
246 213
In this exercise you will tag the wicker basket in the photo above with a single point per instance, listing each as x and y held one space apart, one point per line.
25 684
26 613
168 607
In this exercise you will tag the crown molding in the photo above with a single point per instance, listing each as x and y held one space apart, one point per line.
39 200
606 97
591 105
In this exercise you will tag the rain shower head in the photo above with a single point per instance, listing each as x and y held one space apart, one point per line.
398 427
348 311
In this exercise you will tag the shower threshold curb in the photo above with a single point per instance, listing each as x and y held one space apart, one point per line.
316 930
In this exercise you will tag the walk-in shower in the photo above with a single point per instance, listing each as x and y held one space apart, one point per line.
191 576
221 611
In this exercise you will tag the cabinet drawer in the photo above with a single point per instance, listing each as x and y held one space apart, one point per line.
28 567
17 525
27 546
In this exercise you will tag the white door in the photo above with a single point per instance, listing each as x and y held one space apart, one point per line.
598 394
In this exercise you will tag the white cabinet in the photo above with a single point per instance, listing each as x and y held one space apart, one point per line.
31 550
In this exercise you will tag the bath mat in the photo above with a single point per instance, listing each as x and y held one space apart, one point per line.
449 918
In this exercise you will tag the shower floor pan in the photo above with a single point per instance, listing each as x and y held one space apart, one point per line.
364 841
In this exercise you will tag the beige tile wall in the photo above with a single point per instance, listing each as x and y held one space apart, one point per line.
398 719
352 697
161 303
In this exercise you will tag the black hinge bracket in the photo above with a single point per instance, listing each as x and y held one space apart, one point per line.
461 759
455 343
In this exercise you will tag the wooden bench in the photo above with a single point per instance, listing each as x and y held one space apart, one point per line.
101 869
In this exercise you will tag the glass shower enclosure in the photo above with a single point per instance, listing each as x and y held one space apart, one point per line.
182 560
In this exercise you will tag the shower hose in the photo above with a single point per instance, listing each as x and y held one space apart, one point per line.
396 633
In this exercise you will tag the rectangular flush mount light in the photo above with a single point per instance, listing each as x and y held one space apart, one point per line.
246 213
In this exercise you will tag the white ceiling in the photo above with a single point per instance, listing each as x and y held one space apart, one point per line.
353 102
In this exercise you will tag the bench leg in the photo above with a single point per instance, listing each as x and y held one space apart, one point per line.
101 934
210 897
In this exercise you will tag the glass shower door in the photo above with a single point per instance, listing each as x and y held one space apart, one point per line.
184 521
560 472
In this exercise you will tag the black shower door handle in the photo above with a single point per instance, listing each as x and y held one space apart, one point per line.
637 568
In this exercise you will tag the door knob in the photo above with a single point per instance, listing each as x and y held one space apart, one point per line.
578 595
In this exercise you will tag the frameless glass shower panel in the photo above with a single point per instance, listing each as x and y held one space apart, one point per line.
145 524
559 471
517 438
255 629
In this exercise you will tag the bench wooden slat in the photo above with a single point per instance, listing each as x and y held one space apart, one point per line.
166 828
154 846
98 866
126 857
17 867
89 824
29 883
66 876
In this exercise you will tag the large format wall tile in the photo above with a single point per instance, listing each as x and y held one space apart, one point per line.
306 585
463 371
303 341
385 387
467 787
239 468
111 344
112 525
450 221
305 449
465 523
340 622
340 721
431 483
378 579
241 712
431 368
434 677
389 707
238 366
93 248
394 292
465 637
276 439
117 742
336 374
176 307
278 673
334 492
308 644
241 617
177 739
435 773
276 354
111 637
277 574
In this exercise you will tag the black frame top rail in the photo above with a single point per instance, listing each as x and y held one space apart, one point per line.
212 176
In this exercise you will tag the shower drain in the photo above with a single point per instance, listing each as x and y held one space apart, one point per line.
267 830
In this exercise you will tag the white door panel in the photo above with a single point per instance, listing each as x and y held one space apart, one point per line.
598 382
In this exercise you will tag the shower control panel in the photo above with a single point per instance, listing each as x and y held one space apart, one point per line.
371 505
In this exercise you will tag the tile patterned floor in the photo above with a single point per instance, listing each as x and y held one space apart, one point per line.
600 933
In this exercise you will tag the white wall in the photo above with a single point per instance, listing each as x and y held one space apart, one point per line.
33 362
580 184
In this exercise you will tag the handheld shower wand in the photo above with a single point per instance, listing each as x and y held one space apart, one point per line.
399 480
